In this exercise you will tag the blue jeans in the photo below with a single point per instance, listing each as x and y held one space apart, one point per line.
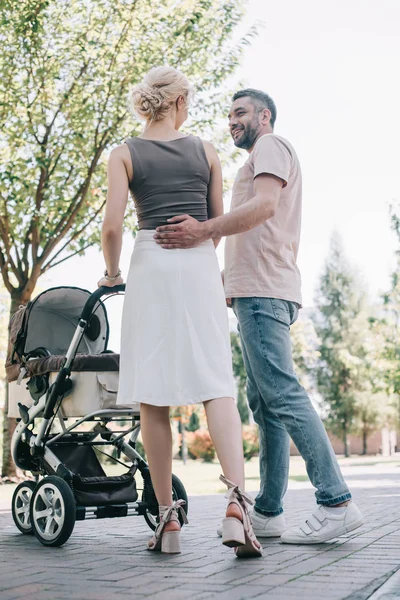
281 406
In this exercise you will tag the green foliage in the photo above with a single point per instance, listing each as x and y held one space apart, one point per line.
65 70
385 326
140 449
251 441
66 67
305 350
342 372
194 422
240 375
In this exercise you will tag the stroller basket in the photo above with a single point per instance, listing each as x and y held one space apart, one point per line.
91 485
94 491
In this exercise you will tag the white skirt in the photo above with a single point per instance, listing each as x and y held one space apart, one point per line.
175 342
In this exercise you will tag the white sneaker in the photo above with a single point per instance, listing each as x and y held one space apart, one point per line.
264 527
324 525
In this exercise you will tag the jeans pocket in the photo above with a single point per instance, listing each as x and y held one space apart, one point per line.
281 310
294 312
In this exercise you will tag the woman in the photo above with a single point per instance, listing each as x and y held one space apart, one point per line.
175 346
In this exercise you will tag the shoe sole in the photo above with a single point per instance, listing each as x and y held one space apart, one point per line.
326 538
273 534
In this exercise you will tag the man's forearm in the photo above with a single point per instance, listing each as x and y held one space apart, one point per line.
242 219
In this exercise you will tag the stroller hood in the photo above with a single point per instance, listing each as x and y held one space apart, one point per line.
50 320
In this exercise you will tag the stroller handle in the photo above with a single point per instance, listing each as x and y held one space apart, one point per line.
95 297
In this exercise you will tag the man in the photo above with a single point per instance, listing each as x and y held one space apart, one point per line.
262 283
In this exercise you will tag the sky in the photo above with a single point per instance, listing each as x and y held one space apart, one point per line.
332 68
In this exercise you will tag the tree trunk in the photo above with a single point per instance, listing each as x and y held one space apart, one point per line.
8 468
346 442
365 440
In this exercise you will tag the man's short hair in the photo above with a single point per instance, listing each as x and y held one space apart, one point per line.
260 100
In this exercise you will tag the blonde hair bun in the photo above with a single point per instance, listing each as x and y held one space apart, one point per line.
152 99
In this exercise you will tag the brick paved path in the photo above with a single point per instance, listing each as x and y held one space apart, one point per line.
106 559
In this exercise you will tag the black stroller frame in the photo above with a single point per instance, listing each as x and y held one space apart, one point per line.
71 482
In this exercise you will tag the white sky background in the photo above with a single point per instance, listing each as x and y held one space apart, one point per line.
332 68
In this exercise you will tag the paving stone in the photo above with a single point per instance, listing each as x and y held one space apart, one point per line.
107 560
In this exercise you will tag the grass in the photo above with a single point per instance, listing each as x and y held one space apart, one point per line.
200 478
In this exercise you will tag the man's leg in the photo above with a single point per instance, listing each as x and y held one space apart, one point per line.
274 449
265 331
265 325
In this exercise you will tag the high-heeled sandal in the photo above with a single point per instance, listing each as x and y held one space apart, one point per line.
168 542
239 534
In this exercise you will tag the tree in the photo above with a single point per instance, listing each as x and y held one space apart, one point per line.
374 406
385 326
65 70
374 412
4 314
239 372
194 422
305 350
340 322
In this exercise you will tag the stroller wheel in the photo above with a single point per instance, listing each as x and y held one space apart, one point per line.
20 506
178 493
53 511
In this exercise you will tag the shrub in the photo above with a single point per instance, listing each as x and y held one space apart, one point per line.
199 445
251 442
140 449
194 422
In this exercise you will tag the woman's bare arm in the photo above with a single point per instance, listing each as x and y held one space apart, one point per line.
117 196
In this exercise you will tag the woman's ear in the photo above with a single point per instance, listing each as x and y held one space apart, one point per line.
180 102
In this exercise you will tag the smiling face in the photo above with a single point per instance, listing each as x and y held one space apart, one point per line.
247 122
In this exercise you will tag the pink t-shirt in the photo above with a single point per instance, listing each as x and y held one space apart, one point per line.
262 262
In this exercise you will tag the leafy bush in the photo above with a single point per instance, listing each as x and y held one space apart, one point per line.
194 422
251 442
140 448
199 445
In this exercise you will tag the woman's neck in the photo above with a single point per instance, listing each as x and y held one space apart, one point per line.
161 130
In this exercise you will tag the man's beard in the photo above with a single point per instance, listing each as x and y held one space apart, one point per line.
248 137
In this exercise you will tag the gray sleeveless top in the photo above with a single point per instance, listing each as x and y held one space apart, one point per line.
169 179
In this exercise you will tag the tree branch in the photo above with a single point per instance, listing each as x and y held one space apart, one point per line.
15 248
50 266
5 233
35 219
112 61
66 96
77 201
76 234
26 243
4 272
53 168
32 129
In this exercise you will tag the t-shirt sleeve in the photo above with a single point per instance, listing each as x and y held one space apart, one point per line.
273 158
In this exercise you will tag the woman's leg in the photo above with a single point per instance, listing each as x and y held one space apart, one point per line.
226 433
157 441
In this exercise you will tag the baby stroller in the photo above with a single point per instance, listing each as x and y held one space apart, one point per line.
59 369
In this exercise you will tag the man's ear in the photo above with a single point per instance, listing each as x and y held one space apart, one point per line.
265 116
